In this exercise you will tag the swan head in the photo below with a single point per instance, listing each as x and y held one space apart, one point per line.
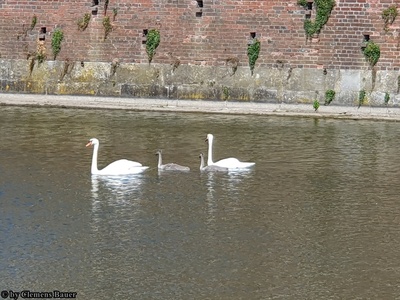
158 152
209 138
92 142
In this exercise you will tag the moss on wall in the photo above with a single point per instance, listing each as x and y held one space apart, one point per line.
197 82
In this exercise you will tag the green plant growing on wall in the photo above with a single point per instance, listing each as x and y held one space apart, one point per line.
83 23
56 40
33 22
25 28
324 9
225 93
372 53
302 3
316 105
253 50
329 96
152 42
389 15
31 57
31 65
115 13
107 26
40 57
387 98
361 97
106 6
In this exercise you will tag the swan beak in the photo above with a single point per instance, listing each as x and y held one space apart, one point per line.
89 144
206 140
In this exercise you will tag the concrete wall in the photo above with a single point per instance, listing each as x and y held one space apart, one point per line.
198 45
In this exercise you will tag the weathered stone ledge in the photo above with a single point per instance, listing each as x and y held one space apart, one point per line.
202 106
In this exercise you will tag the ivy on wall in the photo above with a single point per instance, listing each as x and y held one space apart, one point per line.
389 15
372 53
253 50
324 9
152 42
387 98
84 22
329 96
33 22
56 40
362 95
316 105
107 26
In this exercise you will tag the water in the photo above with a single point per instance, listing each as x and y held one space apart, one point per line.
317 218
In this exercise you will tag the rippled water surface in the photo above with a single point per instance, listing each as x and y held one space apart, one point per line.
317 218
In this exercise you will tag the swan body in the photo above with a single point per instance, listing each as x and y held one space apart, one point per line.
230 163
119 167
212 168
170 166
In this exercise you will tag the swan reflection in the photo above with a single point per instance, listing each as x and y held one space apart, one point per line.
224 190
115 199
118 189
228 181
236 177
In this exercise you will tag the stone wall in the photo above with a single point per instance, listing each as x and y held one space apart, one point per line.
203 50
273 85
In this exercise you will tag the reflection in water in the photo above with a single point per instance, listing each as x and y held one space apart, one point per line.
225 186
235 177
118 192
116 209
161 172
121 187
317 218
211 201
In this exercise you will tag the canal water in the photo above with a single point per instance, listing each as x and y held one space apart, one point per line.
318 217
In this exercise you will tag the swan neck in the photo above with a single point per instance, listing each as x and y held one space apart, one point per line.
210 158
94 169
201 162
159 159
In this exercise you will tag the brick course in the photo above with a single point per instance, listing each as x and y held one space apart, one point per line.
221 32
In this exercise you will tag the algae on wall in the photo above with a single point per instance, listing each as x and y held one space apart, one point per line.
197 82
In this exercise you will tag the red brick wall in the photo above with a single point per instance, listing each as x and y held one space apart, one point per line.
221 32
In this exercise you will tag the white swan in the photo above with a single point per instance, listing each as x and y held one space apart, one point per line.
170 166
212 168
119 167
230 163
